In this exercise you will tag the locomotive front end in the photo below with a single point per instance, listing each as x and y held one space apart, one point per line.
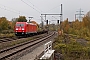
20 28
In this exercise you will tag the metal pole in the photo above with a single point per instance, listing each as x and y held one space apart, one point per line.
49 25
45 17
75 16
61 13
41 22
61 17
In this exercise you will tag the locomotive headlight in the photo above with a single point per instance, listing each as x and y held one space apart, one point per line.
16 28
22 28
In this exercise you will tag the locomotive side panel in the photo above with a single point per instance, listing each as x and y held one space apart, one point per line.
27 29
34 28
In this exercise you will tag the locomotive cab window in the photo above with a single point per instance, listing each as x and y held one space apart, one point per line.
20 25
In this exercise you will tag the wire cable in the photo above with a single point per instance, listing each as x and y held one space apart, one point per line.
34 5
12 10
31 6
9 10
53 8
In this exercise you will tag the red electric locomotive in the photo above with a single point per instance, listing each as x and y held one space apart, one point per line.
24 28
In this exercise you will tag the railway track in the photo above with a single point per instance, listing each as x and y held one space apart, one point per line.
36 37
6 53
5 45
3 40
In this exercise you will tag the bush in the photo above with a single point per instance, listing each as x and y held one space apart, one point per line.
72 50
87 38
60 46
88 52
7 31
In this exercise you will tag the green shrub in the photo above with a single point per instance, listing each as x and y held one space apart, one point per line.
60 46
87 38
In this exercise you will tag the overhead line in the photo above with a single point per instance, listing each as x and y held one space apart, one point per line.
31 6
53 8
10 9
34 5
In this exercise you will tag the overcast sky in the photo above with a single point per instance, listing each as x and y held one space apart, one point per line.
34 8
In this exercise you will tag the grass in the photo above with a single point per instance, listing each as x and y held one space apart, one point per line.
7 35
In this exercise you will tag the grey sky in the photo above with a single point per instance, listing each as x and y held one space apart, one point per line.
13 8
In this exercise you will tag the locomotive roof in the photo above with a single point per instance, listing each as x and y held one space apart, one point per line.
26 23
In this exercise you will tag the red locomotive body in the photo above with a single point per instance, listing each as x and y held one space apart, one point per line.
24 28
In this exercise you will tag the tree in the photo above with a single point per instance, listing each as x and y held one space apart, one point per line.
3 23
22 19
14 20
10 25
76 25
86 22
65 25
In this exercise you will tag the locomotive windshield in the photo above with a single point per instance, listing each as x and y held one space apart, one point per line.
20 25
